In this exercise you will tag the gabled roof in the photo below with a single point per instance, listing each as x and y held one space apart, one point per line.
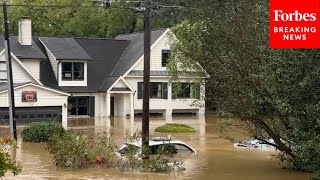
65 48
23 52
106 54
135 50
111 58
20 85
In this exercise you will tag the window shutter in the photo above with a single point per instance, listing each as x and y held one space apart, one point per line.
140 89
91 106
165 90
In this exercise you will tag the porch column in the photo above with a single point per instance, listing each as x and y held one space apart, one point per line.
132 105
108 97
64 114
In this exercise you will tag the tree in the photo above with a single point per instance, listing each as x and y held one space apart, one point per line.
274 93
6 164
83 18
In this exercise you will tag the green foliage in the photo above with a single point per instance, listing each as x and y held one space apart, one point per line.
307 149
70 150
274 93
102 145
175 128
6 163
73 150
76 20
41 131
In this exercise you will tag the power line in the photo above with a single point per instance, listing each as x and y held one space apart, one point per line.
155 6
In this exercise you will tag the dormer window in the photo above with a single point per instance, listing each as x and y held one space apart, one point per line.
165 56
72 71
3 71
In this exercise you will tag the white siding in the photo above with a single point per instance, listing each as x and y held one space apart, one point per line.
120 84
18 73
53 61
156 55
33 66
122 104
73 83
44 98
164 104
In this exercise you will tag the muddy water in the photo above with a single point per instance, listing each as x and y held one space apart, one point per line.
216 157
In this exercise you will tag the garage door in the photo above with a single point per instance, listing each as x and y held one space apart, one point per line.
32 114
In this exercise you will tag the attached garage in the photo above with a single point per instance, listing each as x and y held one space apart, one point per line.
35 103
33 114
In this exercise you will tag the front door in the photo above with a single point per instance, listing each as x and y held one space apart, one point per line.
78 106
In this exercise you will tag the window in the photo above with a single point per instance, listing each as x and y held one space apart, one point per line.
3 71
185 90
158 90
155 90
78 106
72 71
165 56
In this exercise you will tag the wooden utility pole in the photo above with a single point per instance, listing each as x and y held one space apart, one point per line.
13 128
146 81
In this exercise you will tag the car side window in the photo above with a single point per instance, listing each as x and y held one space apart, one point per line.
164 149
181 148
128 149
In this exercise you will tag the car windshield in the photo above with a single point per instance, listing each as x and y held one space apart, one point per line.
128 149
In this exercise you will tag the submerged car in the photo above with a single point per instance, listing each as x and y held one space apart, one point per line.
255 143
156 145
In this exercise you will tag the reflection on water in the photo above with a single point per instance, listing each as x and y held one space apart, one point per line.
216 157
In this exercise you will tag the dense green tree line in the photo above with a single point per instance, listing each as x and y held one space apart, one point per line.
75 18
275 93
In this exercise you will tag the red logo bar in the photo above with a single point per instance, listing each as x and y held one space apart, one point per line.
294 23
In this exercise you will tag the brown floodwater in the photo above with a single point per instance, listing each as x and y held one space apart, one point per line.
216 157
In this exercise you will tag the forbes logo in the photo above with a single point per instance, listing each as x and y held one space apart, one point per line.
279 15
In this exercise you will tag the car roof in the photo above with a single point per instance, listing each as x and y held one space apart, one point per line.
156 141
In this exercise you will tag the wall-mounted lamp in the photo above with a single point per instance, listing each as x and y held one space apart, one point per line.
64 105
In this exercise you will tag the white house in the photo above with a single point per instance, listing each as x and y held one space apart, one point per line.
60 78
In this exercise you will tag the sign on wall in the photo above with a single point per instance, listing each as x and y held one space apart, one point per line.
29 96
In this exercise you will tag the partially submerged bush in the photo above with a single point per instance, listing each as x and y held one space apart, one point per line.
175 128
41 131
103 148
73 150
6 163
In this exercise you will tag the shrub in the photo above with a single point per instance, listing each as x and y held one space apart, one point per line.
103 148
41 131
73 150
6 164
175 128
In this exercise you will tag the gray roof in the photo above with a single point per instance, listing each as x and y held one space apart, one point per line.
65 48
111 59
120 89
152 73
23 52
134 50
106 54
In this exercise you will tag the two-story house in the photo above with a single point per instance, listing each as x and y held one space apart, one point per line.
60 78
